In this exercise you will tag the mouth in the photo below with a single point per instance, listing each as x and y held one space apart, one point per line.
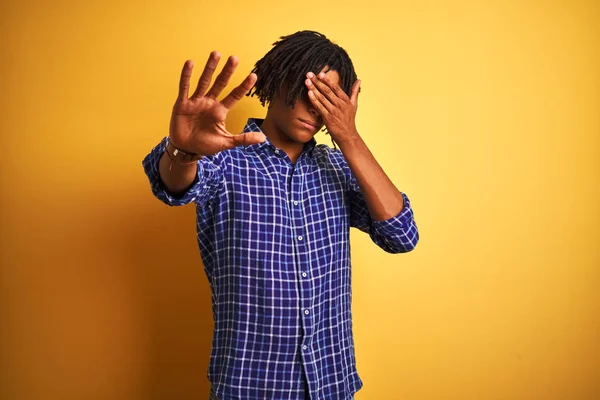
308 124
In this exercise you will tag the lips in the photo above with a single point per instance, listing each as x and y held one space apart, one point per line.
313 124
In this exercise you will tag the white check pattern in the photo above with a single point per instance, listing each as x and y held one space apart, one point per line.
274 240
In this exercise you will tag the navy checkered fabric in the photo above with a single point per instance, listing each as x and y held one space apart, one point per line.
275 244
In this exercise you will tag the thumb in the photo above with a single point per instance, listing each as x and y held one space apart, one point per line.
248 138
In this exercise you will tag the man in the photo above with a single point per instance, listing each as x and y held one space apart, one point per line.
274 212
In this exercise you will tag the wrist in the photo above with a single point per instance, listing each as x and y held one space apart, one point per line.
178 155
179 146
351 139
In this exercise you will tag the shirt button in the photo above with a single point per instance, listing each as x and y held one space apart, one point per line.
306 312
295 203
299 237
304 274
276 151
304 347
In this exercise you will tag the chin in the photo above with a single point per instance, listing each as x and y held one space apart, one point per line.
302 136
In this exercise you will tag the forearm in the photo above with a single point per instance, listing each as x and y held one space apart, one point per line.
179 177
382 197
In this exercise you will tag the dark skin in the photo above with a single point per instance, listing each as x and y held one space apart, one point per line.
282 123
198 126
329 105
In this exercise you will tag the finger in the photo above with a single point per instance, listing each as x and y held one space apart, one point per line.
319 96
334 87
355 91
322 88
240 91
206 77
316 100
184 80
223 78
246 139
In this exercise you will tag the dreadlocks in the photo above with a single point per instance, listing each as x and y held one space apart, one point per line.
291 58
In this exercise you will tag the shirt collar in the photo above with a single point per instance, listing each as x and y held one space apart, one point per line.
253 125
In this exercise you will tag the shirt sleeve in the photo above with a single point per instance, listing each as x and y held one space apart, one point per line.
398 234
203 188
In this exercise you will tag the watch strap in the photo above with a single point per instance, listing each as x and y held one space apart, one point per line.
180 156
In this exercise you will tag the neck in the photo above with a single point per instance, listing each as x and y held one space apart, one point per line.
280 139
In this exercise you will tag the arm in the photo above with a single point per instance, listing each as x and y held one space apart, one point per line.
376 206
177 177
198 127
383 199
177 187
394 232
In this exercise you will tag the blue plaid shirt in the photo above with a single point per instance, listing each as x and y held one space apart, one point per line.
275 244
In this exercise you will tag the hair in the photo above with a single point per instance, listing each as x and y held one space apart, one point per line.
291 58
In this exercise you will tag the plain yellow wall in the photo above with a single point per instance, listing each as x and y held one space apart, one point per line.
485 113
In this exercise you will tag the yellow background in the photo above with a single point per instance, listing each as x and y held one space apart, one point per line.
485 113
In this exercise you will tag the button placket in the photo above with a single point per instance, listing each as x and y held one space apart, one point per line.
298 226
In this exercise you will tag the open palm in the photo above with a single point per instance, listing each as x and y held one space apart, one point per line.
198 122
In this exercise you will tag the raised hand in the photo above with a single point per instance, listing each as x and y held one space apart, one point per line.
198 122
336 108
